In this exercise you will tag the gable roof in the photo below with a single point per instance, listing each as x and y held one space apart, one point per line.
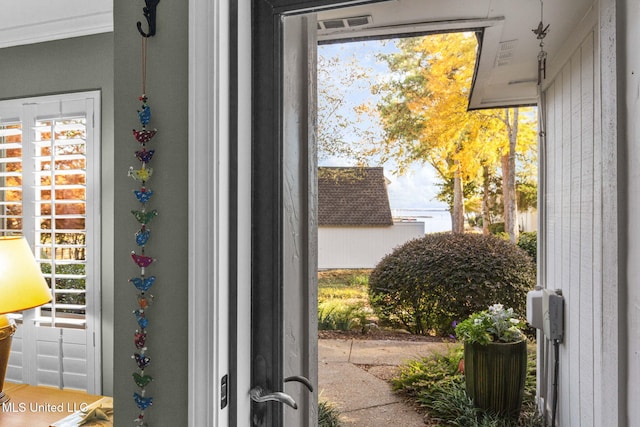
353 196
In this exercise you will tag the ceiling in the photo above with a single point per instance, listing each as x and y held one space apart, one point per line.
506 72
507 67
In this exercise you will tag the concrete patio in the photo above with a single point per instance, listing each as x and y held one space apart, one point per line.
353 375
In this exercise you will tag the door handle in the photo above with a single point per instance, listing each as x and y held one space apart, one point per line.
300 379
258 395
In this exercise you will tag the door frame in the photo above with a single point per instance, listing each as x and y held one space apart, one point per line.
235 77
224 93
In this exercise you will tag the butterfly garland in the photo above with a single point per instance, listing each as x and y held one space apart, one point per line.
142 283
143 217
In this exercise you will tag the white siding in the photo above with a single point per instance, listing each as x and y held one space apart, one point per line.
632 296
362 247
579 236
570 229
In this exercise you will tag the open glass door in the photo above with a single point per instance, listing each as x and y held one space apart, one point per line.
284 299
283 294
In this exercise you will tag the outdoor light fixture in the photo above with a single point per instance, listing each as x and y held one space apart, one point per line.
22 287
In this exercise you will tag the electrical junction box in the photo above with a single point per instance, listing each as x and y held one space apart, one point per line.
534 308
553 314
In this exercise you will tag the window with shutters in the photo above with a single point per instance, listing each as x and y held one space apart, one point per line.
50 193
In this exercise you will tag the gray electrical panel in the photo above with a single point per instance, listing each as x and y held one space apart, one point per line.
553 314
545 310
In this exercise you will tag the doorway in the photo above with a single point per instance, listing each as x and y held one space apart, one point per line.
284 203
246 195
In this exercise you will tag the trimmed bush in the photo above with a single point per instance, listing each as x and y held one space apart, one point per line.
428 283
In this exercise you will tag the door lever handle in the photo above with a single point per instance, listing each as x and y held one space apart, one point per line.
300 379
257 395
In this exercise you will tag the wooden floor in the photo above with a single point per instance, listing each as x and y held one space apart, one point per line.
39 406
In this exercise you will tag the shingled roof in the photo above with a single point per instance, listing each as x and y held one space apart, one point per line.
353 196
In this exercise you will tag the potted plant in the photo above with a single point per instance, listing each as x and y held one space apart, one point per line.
495 359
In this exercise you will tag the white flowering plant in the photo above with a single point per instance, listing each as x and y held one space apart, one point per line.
496 324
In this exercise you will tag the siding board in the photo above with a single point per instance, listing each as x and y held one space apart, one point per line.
574 220
597 236
565 388
573 304
586 230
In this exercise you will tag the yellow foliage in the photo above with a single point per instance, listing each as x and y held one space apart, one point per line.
436 77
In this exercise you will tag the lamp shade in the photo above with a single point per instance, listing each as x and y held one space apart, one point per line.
22 285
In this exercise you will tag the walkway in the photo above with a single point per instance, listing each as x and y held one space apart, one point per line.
353 376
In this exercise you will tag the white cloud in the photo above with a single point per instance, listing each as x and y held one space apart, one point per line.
415 189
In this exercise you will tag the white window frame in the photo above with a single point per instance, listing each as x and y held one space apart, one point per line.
73 358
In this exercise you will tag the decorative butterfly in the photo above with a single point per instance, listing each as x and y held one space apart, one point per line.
139 339
145 301
144 115
142 360
143 284
142 321
142 260
144 135
144 217
142 236
145 156
141 175
142 402
142 380
143 195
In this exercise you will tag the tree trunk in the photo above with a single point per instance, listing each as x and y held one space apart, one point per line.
458 203
508 161
485 201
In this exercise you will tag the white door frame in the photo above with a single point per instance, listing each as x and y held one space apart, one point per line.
219 208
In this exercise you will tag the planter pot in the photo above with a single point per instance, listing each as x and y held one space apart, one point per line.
495 375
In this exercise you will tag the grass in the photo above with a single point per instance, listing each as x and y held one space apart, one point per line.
328 415
436 384
343 299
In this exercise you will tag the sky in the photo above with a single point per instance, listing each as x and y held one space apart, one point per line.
415 189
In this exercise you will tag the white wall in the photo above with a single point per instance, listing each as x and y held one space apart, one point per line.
580 243
362 247
528 220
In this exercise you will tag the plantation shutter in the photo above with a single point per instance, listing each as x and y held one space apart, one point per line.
50 194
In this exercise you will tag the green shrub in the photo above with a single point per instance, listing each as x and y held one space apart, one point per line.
529 242
428 283
422 376
496 227
503 235
341 316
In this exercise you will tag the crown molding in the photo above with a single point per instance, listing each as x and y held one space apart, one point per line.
55 28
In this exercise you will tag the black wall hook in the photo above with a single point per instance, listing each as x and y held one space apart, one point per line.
149 12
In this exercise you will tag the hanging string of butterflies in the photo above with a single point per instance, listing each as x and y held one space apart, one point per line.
143 282
143 216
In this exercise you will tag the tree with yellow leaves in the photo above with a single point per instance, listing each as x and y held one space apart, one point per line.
425 117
